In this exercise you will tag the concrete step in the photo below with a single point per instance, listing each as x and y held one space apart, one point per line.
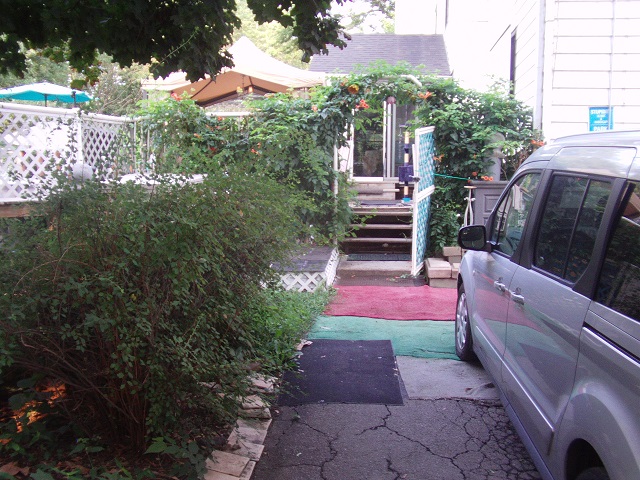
375 240
374 268
382 226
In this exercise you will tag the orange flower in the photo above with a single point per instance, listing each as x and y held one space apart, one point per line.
353 89
491 179
485 178
425 96
474 174
314 108
438 158
362 104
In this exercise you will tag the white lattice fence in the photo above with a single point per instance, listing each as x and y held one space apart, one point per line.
109 145
36 140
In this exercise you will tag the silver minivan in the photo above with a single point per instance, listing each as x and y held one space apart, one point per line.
549 302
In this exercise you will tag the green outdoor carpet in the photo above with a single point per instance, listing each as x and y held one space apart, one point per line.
422 338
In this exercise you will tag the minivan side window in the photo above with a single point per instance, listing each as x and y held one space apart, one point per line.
570 221
511 214
620 276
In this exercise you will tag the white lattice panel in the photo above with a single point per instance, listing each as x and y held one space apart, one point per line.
35 140
109 145
310 281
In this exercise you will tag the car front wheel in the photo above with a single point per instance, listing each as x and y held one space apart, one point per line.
464 342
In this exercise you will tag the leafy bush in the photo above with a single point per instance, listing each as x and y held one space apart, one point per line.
284 138
147 303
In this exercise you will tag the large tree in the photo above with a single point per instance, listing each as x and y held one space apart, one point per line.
188 35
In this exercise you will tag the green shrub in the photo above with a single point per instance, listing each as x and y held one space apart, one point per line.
139 299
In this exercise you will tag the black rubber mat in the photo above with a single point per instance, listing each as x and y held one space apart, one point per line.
379 257
344 371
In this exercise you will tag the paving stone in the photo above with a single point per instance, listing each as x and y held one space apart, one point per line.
454 258
263 383
253 402
260 425
228 463
443 282
249 430
211 475
451 251
247 449
437 268
455 268
248 471
261 413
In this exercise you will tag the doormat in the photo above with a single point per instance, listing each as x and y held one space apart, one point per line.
379 257
392 303
343 371
422 338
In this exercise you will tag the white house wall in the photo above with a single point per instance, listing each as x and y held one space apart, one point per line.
595 61
526 25
478 41
570 55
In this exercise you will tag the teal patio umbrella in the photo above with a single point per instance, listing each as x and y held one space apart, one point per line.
44 91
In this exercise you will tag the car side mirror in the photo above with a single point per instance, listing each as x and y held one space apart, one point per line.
473 237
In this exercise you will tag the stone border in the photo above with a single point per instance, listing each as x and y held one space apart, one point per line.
245 443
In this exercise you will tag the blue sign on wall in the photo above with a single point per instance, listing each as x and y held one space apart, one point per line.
600 118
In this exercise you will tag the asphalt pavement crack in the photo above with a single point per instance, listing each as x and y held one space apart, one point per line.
441 439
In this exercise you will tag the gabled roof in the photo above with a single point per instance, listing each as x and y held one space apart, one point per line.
363 49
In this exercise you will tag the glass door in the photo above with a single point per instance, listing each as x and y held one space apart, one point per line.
368 157
378 142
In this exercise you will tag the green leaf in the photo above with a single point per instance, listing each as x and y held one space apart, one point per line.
40 475
16 402
159 446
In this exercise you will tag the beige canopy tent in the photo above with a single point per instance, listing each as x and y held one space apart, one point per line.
254 72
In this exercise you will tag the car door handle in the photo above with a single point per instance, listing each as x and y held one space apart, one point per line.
500 286
516 297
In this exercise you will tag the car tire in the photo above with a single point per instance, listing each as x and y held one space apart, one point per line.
593 473
463 339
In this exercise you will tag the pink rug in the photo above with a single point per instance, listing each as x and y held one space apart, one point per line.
394 303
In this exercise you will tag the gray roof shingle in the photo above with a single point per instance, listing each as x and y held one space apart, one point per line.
363 49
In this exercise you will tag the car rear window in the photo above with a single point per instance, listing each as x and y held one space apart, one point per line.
619 282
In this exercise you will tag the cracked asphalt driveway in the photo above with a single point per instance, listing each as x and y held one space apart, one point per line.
424 439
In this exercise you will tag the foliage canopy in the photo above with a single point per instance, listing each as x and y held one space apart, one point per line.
177 35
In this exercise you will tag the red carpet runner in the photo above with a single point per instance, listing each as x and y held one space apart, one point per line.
393 303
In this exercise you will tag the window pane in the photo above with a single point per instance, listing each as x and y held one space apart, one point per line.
512 213
570 223
620 277
584 237
558 221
